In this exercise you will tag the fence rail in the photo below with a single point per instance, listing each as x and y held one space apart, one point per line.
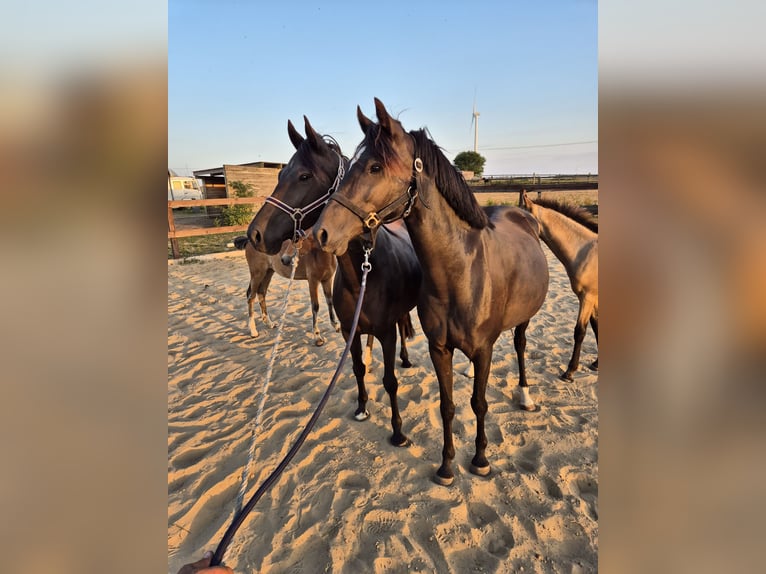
174 234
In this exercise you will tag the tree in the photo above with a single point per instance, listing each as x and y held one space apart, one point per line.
470 161
238 214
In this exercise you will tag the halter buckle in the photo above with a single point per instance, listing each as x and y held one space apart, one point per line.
372 220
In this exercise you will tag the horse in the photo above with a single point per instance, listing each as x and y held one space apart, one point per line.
314 266
572 235
394 280
484 270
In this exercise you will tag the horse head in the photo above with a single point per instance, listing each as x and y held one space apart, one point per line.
302 186
374 189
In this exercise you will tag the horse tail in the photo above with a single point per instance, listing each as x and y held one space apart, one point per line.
409 330
241 241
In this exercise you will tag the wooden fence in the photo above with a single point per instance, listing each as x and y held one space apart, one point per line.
174 234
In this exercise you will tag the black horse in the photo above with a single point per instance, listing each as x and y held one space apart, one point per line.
393 284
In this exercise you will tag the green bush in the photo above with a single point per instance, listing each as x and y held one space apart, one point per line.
237 214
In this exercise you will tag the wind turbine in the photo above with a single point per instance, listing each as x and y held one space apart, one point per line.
475 125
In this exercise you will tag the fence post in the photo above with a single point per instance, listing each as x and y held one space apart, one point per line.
173 240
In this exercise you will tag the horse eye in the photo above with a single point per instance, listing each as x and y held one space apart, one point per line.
304 176
375 168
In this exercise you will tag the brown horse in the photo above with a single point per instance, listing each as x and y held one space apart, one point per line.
314 266
571 233
484 271
309 178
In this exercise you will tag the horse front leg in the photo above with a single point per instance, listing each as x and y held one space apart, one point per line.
388 343
520 344
579 334
251 312
441 357
361 412
261 290
481 362
314 294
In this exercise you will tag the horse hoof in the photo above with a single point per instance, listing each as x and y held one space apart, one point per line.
363 416
403 443
443 480
479 470
406 364
594 366
567 376
319 342
530 408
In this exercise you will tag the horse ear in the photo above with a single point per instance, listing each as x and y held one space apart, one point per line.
315 140
522 197
364 121
295 137
383 118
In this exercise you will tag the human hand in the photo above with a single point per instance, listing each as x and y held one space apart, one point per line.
203 566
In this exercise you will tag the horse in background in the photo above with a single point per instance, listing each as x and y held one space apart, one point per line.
484 270
314 266
571 233
305 184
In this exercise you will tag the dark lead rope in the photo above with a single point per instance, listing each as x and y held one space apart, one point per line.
274 476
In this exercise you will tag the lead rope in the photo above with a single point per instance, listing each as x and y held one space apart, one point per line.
274 476
264 387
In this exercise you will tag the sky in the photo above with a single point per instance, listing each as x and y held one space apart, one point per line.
238 70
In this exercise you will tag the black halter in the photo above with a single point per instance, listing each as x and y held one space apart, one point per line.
372 221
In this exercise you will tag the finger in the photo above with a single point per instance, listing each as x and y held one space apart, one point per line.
204 562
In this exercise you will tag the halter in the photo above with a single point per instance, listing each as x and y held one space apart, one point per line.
374 219
298 213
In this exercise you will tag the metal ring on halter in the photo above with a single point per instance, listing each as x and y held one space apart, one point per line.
418 165
372 220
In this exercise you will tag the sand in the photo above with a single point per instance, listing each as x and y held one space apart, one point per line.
350 502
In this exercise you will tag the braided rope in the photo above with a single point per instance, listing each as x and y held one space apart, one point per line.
240 516
264 392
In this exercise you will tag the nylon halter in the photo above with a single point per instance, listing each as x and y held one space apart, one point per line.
298 213
374 219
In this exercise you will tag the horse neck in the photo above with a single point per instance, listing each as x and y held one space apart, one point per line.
349 265
437 232
564 236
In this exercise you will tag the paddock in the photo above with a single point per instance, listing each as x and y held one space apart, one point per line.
351 502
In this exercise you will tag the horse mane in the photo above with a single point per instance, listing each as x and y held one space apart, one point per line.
450 183
573 212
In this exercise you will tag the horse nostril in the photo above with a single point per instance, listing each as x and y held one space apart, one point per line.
256 237
322 237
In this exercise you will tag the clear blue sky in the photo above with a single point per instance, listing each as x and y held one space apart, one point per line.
239 70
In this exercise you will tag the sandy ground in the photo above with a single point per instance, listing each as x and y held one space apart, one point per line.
350 502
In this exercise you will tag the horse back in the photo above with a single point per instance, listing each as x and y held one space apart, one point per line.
514 217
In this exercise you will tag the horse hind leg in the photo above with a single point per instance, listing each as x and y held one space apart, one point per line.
594 326
367 359
327 289
520 344
579 335
406 331
391 385
480 464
